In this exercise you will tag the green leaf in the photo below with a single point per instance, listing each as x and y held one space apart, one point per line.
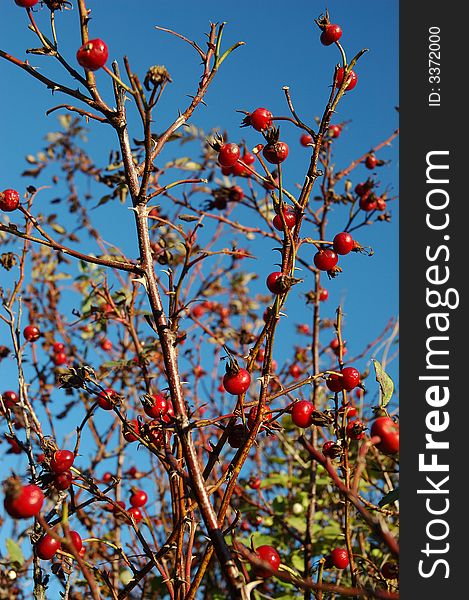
14 552
389 498
386 384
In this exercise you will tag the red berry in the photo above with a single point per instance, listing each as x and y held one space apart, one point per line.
275 152
301 413
380 203
130 429
334 382
325 260
9 200
362 188
47 547
138 498
106 345
156 407
58 347
294 370
31 333
290 219
355 429
237 436
76 540
352 77
227 170
92 55
371 161
339 558
331 449
330 34
260 119
390 570
61 461
334 346
237 382
388 431
343 243
236 193
323 295
349 410
275 283
107 477
335 131
350 378
248 158
10 398
270 555
306 139
254 483
228 155
105 399
23 501
59 359
26 3
239 170
136 514
252 415
62 481
368 202
169 414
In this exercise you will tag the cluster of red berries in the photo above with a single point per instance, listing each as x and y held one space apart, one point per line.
48 546
59 466
368 200
59 356
326 259
157 407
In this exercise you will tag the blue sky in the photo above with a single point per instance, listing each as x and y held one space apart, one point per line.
282 48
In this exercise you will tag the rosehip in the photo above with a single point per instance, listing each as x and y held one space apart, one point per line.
237 436
61 461
350 378
26 3
323 295
31 333
260 119
290 219
340 558
156 407
60 358
275 152
136 514
325 260
228 155
10 398
331 34
355 429
301 413
371 161
62 481
335 131
23 501
237 382
275 283
130 429
270 555
92 55
352 77
388 431
58 347
343 243
306 139
105 399
9 200
47 547
138 498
